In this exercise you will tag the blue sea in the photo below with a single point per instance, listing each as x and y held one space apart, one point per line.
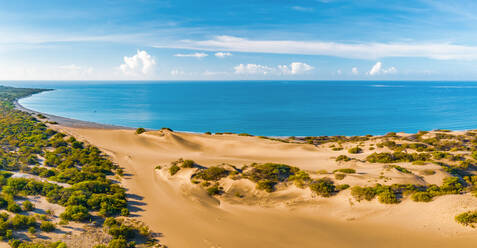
274 108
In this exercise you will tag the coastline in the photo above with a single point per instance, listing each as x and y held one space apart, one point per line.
296 215
69 122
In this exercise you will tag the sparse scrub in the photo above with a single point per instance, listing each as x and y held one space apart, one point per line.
323 187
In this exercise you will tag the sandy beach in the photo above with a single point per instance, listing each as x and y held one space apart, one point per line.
187 217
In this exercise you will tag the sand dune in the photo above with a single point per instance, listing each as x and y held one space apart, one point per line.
187 217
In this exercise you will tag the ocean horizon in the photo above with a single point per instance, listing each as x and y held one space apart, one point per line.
270 108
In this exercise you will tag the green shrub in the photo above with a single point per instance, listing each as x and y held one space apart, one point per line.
345 170
188 164
422 197
140 130
28 206
342 158
214 190
14 208
212 173
47 226
402 169
355 150
174 169
267 185
118 243
363 193
323 187
467 219
387 197
342 187
300 178
75 213
271 171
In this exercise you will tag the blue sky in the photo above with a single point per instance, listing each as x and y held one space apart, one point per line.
238 40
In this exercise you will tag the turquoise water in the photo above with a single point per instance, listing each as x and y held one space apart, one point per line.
276 108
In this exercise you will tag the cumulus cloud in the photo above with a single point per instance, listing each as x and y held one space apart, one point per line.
295 68
140 64
377 69
441 51
195 55
222 54
354 71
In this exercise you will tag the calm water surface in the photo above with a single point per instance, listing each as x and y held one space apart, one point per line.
278 108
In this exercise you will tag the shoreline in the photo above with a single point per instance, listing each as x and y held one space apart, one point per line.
69 122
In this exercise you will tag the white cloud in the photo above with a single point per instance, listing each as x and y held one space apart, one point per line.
355 71
253 69
339 72
441 51
295 68
222 54
140 64
377 69
195 55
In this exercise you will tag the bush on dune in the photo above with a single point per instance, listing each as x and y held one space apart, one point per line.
323 187
467 219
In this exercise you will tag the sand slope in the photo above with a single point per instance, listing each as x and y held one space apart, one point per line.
187 217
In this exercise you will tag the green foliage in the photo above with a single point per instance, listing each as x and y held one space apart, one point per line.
363 193
271 171
467 219
267 185
14 208
300 178
345 170
323 187
422 197
212 173
402 169
387 197
47 226
386 157
188 164
174 169
343 158
76 213
28 206
214 190
355 150
140 130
